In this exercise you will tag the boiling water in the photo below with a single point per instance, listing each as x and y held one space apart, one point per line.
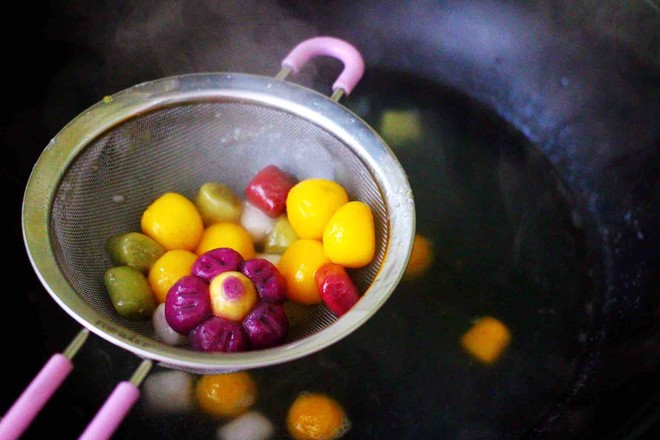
507 243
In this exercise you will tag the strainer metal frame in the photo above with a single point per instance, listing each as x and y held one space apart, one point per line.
150 96
41 199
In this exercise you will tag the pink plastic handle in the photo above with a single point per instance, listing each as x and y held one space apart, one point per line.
329 46
112 413
35 396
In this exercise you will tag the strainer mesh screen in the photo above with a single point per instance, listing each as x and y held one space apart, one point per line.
178 148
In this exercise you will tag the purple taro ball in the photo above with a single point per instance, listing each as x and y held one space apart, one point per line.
187 304
219 334
266 325
268 280
214 262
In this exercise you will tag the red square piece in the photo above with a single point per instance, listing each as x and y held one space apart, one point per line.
336 288
268 190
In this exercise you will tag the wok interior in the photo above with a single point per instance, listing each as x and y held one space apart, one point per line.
178 148
508 242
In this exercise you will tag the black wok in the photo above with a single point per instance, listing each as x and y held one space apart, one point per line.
536 174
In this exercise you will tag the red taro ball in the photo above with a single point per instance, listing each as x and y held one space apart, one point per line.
216 261
187 304
268 280
336 288
266 325
268 190
219 334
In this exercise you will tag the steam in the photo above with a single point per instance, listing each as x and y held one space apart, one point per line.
127 43
182 36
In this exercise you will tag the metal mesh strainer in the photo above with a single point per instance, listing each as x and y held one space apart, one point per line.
179 147
100 172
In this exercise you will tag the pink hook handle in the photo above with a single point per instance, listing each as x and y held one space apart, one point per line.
329 46
35 396
112 413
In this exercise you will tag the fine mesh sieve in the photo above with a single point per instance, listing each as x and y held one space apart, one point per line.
103 169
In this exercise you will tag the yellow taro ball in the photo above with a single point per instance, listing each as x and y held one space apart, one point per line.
298 265
227 234
226 395
349 238
316 416
311 203
421 258
173 221
486 339
169 269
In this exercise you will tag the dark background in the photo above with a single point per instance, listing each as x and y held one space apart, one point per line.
57 63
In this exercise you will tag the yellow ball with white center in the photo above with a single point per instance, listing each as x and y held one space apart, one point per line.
233 295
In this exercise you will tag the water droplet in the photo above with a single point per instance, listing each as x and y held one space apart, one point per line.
118 198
